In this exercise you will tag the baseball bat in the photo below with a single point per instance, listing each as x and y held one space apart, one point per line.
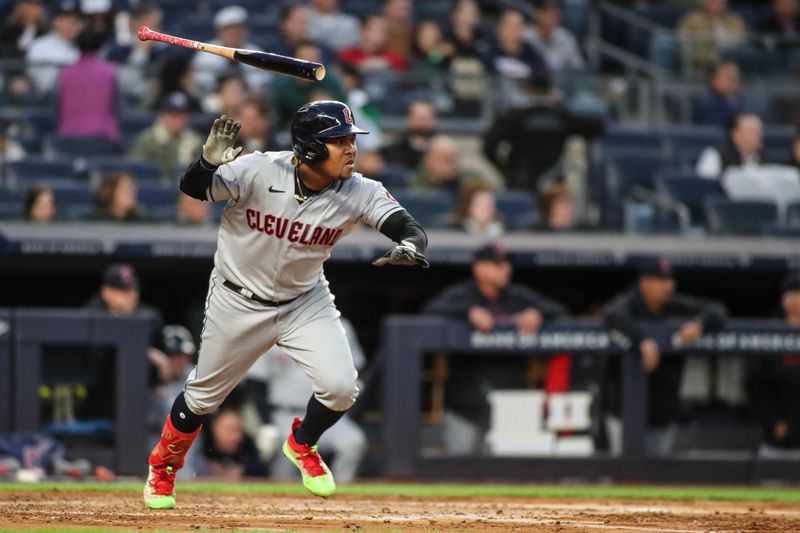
290 66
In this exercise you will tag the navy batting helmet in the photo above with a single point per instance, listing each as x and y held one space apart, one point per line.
315 121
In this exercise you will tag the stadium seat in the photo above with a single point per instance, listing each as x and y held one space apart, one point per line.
132 123
83 146
683 140
151 197
11 209
689 189
618 137
141 170
740 217
793 214
38 167
432 209
517 209
778 143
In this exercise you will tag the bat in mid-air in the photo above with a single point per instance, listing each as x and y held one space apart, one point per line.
290 66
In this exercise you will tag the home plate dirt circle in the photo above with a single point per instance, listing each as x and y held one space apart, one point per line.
119 510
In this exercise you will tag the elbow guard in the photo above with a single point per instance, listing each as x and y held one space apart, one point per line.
197 179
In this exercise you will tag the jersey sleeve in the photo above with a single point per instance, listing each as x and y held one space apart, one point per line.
379 204
231 181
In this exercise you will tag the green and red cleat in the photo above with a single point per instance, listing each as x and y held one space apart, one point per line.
317 476
159 491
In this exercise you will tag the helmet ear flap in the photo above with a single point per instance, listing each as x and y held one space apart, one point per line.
310 149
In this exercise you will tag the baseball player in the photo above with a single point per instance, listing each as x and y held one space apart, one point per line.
285 212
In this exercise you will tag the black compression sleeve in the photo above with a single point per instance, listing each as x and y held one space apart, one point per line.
197 178
400 226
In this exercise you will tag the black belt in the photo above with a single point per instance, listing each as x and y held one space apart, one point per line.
249 294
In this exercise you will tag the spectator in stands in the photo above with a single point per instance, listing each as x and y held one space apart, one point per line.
371 54
431 52
295 29
507 54
709 31
555 44
654 299
136 58
399 15
365 112
256 134
10 149
792 161
192 212
783 21
414 142
486 301
229 453
230 23
476 212
557 206
176 76
115 200
24 24
120 295
286 397
440 169
169 141
742 147
331 27
56 49
467 36
99 16
229 97
773 383
40 204
88 94
545 123
291 93
719 105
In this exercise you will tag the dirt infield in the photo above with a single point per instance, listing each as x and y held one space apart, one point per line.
94 509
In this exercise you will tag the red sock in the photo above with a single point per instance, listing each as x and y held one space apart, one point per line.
173 446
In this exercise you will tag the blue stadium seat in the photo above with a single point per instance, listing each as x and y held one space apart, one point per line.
432 209
690 139
38 167
517 209
663 51
689 189
83 146
625 169
163 213
132 123
617 137
141 170
198 26
778 143
793 214
740 217
11 210
156 196
8 195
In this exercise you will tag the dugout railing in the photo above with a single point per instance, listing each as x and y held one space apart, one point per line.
407 340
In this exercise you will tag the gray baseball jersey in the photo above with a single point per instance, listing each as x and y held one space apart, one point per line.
274 246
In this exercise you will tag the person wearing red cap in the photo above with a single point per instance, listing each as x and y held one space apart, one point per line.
773 383
654 299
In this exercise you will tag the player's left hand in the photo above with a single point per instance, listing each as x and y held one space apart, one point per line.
404 253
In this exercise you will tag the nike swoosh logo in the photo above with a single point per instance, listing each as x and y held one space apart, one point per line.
274 190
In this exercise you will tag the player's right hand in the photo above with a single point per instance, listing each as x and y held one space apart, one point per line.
218 149
651 355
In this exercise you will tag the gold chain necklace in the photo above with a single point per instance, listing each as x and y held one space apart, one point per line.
299 195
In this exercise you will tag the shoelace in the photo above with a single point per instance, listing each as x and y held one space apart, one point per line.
163 481
312 462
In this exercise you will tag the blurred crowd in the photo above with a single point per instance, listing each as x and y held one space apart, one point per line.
97 125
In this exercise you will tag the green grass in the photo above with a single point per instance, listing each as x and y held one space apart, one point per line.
457 491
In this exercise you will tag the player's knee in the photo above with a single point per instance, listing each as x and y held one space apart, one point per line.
199 404
340 394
